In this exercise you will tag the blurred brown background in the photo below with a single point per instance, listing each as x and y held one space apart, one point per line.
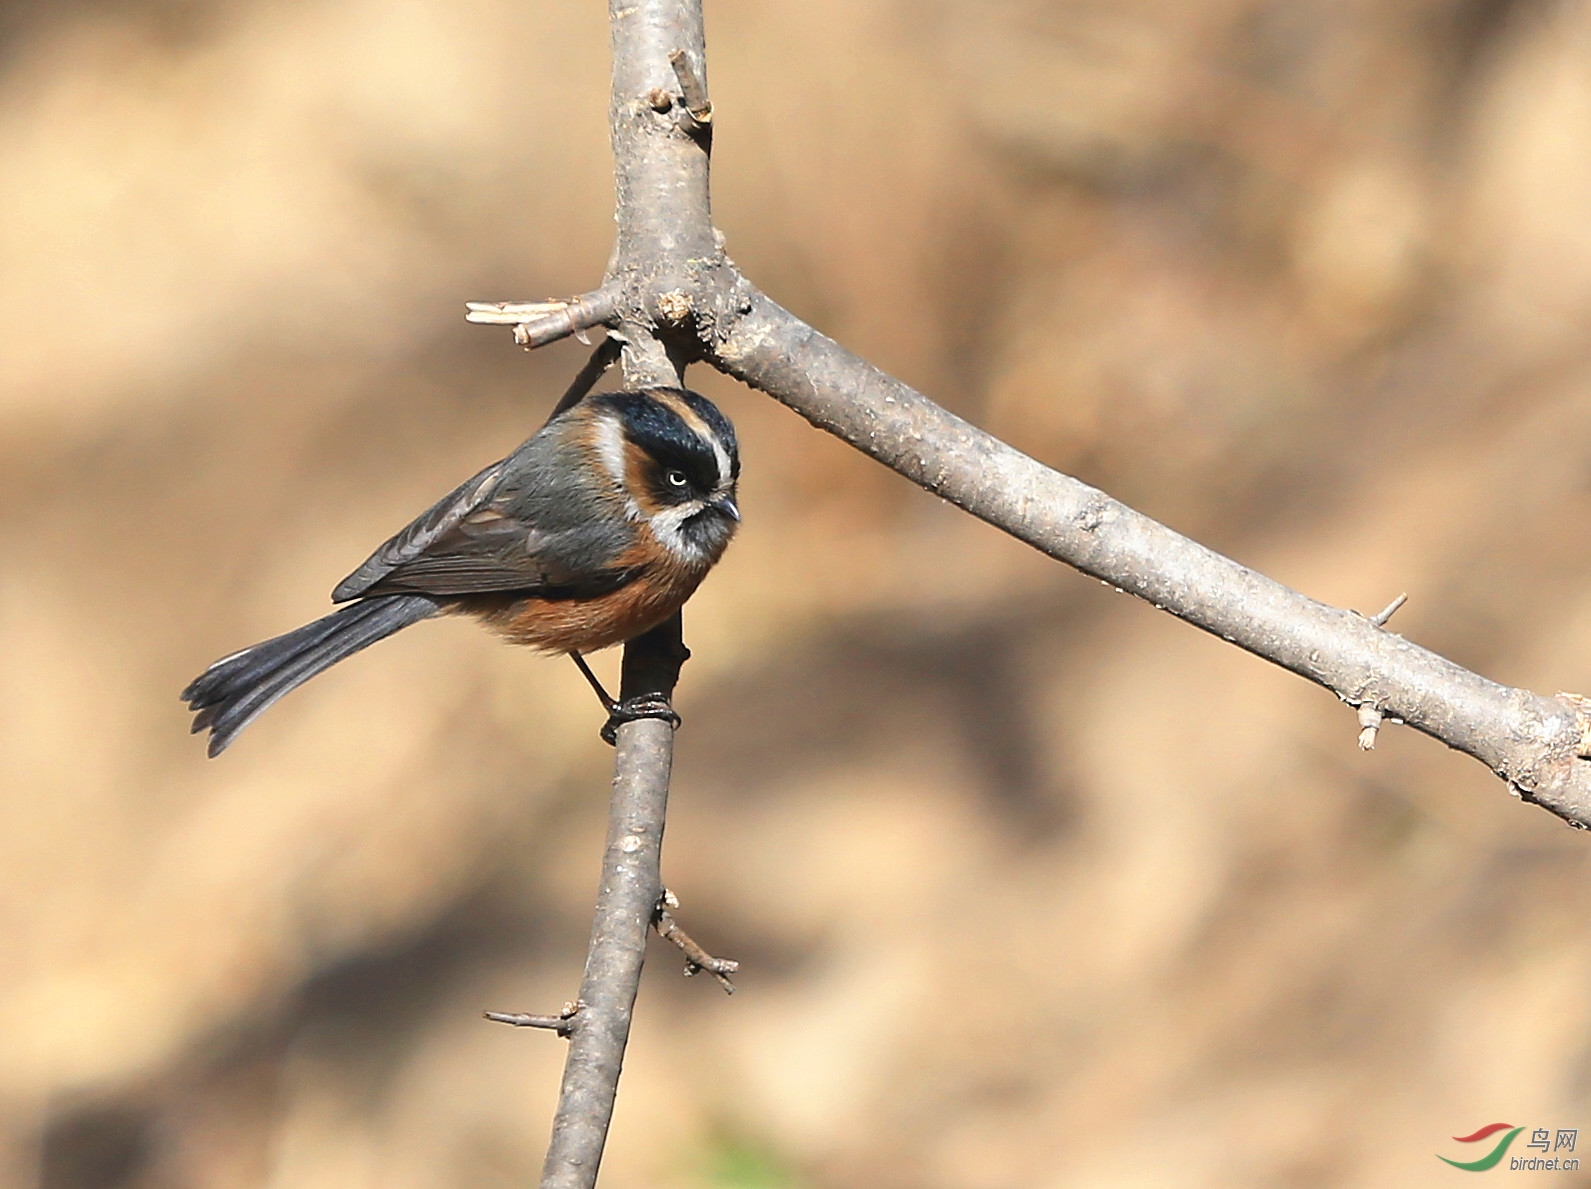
1032 885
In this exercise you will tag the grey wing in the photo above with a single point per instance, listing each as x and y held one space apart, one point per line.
422 532
491 551
524 524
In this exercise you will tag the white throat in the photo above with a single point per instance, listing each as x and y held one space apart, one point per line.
669 528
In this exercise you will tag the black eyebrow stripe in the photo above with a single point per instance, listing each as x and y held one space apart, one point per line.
663 434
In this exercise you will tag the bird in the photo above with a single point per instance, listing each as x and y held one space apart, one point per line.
594 531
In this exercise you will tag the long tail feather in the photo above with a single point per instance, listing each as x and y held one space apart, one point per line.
235 690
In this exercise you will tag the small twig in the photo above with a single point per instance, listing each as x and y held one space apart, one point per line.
696 958
1370 715
604 357
691 85
511 313
537 323
1380 617
698 111
562 1023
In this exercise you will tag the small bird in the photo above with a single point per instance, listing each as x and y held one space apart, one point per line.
591 533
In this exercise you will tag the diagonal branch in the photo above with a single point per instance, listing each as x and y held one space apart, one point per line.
1532 742
603 356
697 959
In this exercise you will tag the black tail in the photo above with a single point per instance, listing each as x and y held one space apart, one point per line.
232 692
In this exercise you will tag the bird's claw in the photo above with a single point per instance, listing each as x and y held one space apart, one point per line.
633 710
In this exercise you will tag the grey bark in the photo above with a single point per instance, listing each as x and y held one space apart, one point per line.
1532 742
632 886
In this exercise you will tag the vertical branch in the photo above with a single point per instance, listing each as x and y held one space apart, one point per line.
665 254
662 211
660 182
659 176
631 887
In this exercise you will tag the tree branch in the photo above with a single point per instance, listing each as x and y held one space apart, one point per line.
603 356
1532 742
660 181
632 886
671 297
696 958
537 323
560 1023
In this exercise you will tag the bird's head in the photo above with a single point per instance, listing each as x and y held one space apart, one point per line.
676 458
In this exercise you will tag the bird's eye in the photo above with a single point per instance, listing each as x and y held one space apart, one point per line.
676 478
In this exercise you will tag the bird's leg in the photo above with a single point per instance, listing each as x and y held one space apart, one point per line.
585 671
630 709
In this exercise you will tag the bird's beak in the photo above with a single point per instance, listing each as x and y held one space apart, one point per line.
727 507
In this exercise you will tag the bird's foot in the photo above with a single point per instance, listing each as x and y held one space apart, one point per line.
633 710
626 710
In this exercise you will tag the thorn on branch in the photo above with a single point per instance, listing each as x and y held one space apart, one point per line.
1380 617
698 112
1370 719
696 958
562 1023
537 323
